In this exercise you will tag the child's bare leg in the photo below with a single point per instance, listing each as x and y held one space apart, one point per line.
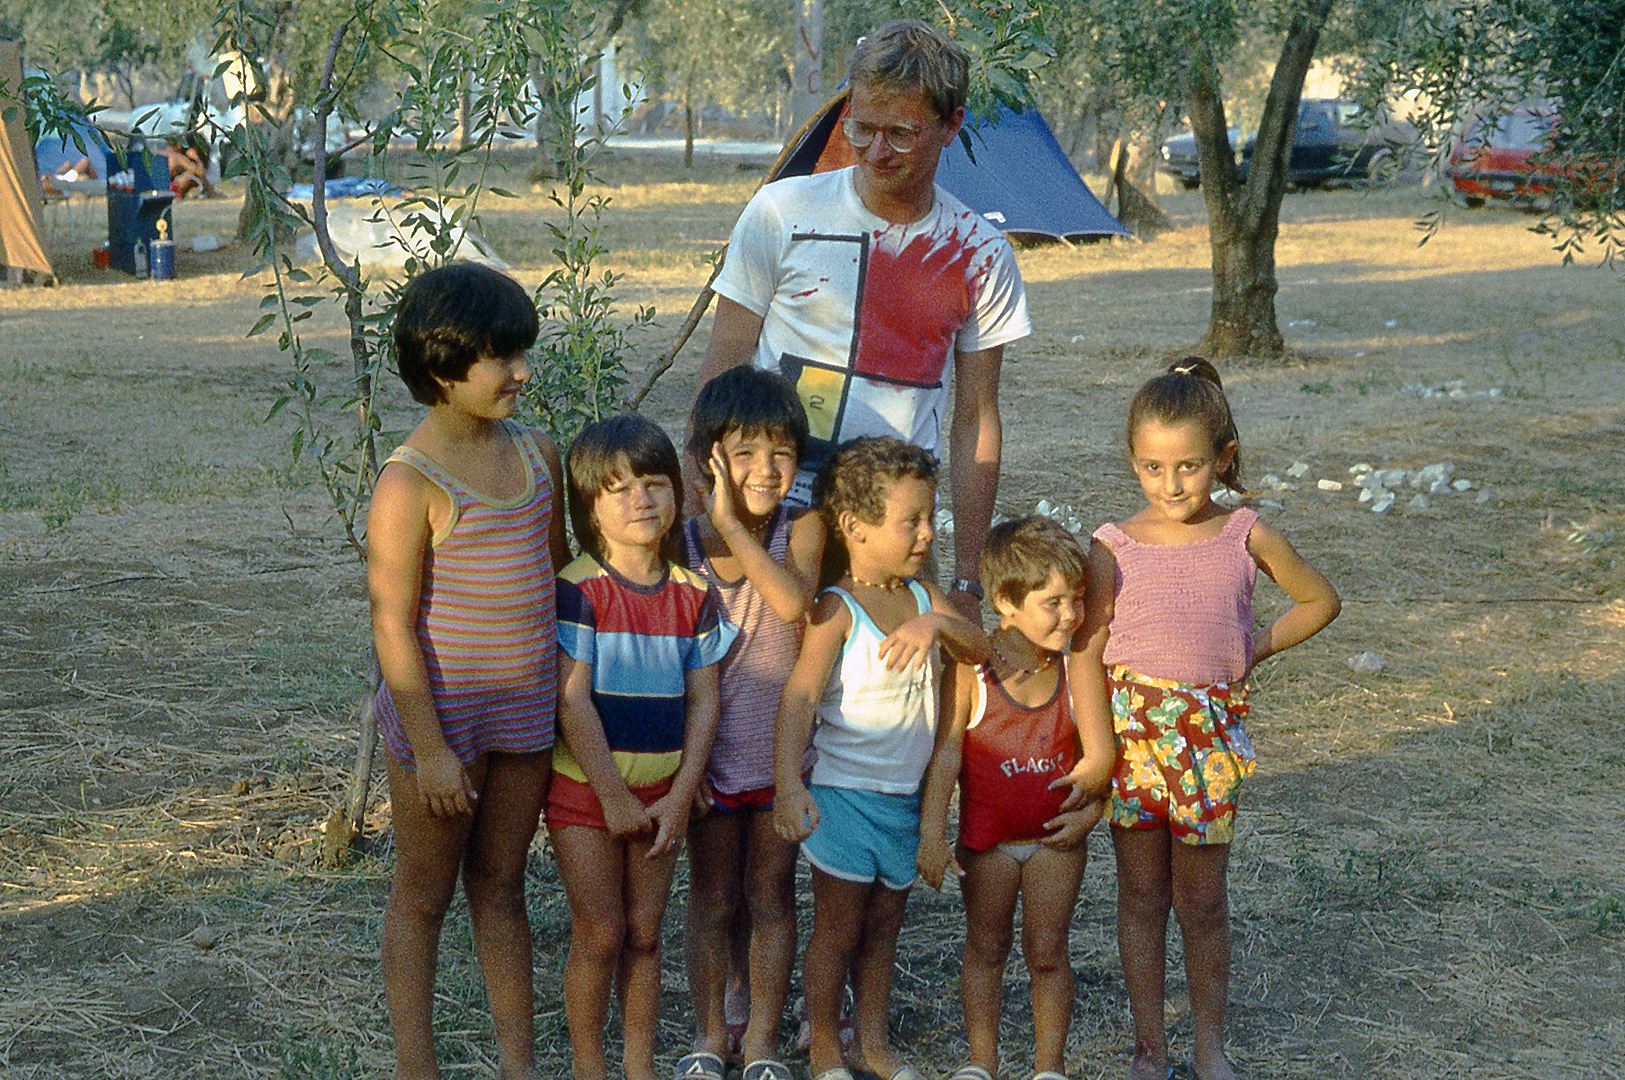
990 885
771 882
494 879
1049 893
714 870
1202 905
838 922
1144 896
872 970
428 851
591 865
648 887
736 998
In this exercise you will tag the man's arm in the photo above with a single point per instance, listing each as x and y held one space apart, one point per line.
734 333
975 446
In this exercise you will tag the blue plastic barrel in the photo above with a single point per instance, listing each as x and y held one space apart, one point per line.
163 260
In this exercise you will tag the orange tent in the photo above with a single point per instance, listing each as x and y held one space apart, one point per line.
21 201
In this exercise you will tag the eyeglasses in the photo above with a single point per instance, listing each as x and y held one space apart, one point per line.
861 135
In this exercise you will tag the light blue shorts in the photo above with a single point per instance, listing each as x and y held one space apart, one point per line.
865 836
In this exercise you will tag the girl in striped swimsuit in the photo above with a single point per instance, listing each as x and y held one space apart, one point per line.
462 541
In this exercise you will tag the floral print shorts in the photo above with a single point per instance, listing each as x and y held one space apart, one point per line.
1182 753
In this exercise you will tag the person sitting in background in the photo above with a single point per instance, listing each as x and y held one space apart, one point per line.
189 168
67 172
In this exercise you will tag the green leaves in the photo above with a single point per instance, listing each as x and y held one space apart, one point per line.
467 74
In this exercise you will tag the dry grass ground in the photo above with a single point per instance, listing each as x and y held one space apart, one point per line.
1426 881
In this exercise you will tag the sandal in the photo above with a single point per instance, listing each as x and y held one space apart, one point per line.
700 1065
973 1071
768 1069
1047 1075
904 1072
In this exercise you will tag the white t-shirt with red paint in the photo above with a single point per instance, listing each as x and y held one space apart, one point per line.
863 315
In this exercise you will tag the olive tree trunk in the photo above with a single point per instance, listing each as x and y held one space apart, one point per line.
1245 218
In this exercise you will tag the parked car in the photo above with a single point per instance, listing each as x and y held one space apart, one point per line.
1509 156
1179 160
1331 146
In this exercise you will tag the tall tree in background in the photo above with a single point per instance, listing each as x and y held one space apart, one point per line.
806 61
122 39
1178 49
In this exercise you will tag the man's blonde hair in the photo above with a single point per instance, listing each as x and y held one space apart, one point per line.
904 55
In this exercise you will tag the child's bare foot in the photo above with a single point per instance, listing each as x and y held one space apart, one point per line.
1148 1066
1214 1066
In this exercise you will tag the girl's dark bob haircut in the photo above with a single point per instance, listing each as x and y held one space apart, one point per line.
749 400
451 316
615 448
1190 391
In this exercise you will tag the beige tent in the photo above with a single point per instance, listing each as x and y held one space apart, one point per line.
21 201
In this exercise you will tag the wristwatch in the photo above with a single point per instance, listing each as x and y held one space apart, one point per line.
966 585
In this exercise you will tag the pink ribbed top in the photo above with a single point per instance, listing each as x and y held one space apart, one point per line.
756 668
1184 611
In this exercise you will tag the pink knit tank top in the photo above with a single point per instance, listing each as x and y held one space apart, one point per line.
1184 611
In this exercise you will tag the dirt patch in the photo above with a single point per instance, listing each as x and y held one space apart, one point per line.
1424 883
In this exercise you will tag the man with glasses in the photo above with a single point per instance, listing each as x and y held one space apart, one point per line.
860 284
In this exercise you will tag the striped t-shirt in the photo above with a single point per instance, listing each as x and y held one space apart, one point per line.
485 616
641 641
756 668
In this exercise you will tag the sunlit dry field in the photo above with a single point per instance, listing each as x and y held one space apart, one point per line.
1426 882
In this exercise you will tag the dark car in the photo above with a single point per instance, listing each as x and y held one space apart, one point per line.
1178 158
1330 146
1510 157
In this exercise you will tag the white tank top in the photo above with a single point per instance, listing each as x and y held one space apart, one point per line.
876 728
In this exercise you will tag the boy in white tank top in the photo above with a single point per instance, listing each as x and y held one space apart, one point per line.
868 675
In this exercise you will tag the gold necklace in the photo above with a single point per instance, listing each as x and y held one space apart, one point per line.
896 583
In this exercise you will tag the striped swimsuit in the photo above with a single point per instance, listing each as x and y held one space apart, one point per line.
486 617
754 671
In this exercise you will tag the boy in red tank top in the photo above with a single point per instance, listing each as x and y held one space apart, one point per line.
1031 751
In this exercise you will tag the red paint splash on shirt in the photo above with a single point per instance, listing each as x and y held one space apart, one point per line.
914 302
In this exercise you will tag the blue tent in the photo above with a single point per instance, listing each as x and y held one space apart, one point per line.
1020 179
53 151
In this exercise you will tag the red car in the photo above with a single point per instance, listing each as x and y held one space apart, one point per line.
1510 157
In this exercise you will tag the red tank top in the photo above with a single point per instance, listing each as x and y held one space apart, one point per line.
1010 757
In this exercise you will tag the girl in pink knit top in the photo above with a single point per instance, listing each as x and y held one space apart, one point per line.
1169 615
